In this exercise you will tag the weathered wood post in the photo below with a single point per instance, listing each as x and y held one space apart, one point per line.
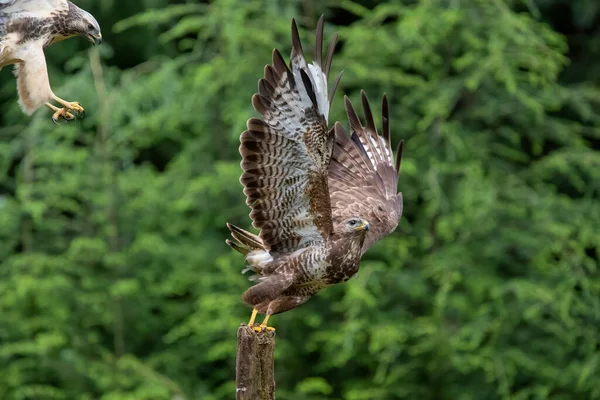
254 375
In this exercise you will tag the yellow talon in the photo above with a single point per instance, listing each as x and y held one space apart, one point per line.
64 112
264 324
74 105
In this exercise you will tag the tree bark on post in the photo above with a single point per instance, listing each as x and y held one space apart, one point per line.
255 377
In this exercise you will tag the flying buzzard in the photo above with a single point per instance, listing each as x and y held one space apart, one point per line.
320 197
26 28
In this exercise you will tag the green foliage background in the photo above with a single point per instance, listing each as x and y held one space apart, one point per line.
116 283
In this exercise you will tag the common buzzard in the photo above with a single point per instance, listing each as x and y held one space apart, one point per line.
319 196
26 28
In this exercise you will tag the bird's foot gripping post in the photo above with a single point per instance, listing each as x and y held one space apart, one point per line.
262 326
255 377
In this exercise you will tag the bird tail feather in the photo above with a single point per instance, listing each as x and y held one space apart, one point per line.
244 241
250 245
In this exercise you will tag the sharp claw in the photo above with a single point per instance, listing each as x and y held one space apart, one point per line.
62 113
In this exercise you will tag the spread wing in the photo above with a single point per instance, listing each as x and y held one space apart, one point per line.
16 9
6 3
36 7
285 156
363 177
4 16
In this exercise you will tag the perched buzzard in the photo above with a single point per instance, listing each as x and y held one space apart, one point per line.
320 197
26 28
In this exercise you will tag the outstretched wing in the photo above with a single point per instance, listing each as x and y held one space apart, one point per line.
363 177
285 156
6 3
4 14
37 7
28 11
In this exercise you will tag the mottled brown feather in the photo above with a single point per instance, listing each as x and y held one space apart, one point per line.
362 177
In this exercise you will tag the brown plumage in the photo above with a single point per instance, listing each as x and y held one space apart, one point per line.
319 196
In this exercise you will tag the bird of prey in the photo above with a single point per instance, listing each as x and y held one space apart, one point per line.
319 196
26 28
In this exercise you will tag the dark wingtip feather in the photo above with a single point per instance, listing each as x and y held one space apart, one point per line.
319 44
385 119
368 113
260 103
399 156
296 43
352 115
329 57
309 87
270 75
334 87
279 64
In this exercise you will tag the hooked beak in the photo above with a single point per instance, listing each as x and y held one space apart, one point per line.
96 39
364 226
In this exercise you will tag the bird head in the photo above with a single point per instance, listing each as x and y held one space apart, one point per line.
356 225
84 24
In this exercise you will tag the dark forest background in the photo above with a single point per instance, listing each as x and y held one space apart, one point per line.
115 280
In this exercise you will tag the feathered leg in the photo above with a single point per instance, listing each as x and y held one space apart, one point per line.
33 83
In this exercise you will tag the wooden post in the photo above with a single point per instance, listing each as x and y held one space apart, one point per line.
255 378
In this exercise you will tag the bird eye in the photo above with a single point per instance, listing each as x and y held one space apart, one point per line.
353 222
90 27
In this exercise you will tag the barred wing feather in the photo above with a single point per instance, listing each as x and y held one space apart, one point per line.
286 154
41 8
363 177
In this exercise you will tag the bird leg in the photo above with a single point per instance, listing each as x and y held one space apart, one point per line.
264 324
65 111
252 318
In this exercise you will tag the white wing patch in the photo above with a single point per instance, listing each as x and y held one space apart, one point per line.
381 148
319 81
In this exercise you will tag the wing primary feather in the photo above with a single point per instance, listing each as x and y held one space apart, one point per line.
368 113
270 76
334 87
281 68
385 119
353 119
371 131
319 44
399 156
309 88
296 43
265 88
260 103
329 57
